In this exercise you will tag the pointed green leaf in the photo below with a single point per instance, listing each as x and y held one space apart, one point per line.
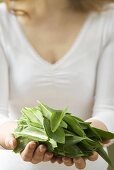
56 119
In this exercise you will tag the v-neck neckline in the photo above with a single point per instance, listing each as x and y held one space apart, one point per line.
35 53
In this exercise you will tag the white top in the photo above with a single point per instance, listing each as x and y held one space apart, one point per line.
83 79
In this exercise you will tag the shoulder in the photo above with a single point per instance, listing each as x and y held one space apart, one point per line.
4 21
104 21
2 6
3 16
108 21
108 13
3 9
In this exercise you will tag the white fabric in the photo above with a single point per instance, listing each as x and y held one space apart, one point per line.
83 79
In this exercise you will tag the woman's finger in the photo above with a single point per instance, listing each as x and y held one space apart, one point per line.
39 154
48 156
79 163
54 159
27 153
67 161
10 142
59 160
106 142
93 157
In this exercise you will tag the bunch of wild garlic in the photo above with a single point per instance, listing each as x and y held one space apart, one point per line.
63 133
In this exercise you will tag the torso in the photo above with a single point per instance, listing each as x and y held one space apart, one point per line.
71 82
52 39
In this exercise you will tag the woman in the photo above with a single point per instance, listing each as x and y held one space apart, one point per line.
61 53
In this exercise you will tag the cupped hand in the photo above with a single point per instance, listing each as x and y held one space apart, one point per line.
80 162
32 152
7 140
100 125
35 153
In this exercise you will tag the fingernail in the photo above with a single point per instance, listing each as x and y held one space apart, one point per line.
11 143
42 148
50 154
32 146
66 159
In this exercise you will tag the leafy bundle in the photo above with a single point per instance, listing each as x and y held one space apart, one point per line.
63 133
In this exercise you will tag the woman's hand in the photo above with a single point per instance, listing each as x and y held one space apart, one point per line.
36 154
32 153
80 163
100 125
7 140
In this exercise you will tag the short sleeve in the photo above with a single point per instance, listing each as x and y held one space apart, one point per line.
103 109
4 87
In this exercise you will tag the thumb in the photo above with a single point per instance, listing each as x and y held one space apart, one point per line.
10 142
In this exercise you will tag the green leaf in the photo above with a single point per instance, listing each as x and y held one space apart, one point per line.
77 119
21 144
69 133
33 133
71 140
39 116
104 135
84 125
104 155
51 109
30 117
56 119
58 135
46 113
53 143
74 125
62 132
63 124
73 151
92 133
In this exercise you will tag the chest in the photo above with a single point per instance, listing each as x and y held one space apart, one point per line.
72 79
74 75
53 41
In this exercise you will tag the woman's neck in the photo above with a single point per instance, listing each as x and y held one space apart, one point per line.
54 5
44 8
50 11
52 8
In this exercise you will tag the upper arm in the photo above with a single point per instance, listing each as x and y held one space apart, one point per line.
105 74
4 83
104 96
